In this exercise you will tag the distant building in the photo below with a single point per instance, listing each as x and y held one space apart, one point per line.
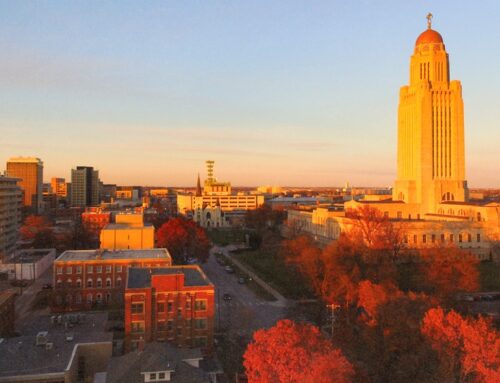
108 192
84 186
28 264
161 362
30 172
216 197
59 187
95 219
10 214
7 313
84 279
59 349
174 304
129 232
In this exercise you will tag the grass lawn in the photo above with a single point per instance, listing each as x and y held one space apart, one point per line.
224 237
489 276
270 267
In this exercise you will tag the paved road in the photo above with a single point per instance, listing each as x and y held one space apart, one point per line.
246 312
24 311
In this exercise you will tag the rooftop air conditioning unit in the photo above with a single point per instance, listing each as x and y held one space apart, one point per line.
49 346
41 338
69 337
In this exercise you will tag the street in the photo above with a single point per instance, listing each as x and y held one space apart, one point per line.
245 312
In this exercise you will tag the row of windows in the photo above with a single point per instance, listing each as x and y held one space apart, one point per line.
199 324
90 269
90 298
199 305
467 237
90 283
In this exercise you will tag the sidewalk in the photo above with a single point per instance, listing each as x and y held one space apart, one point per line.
281 301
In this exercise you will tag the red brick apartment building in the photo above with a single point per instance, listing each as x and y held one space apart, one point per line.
95 220
174 304
84 279
7 312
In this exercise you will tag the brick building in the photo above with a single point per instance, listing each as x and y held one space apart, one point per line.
95 220
7 312
174 304
84 279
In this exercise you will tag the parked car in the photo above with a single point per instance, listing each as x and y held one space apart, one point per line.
242 280
229 269
227 297
47 286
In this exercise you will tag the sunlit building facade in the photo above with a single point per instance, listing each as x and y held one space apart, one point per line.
29 170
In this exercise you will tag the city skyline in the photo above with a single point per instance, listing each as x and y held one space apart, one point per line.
145 96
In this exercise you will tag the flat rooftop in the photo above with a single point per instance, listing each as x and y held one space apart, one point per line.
128 226
102 254
139 278
21 356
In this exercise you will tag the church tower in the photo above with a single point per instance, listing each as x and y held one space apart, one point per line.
431 163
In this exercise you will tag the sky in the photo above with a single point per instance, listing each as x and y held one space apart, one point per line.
291 93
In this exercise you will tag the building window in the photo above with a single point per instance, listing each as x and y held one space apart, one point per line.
119 268
108 297
108 269
188 304
433 238
89 282
118 282
161 375
89 298
452 238
59 283
460 238
200 323
78 269
90 269
98 269
200 305
98 298
137 308
59 270
442 237
78 283
424 238
137 327
78 299
170 306
99 282
169 325
152 376
161 326
200 341
400 215
69 270
69 282
108 282
161 307
469 238
478 237
414 238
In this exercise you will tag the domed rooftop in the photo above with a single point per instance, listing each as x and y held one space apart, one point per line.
430 36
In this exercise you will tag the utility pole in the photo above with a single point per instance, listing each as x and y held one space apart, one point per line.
332 307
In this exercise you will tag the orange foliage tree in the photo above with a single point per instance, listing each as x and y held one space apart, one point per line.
293 353
469 349
445 271
183 239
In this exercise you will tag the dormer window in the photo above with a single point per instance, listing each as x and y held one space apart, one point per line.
158 376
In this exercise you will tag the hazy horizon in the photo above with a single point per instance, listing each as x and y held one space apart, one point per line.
277 93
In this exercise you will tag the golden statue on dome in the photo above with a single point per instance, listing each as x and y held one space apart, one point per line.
429 20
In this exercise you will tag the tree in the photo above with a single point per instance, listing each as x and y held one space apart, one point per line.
183 239
38 231
293 353
446 271
468 349
371 228
264 217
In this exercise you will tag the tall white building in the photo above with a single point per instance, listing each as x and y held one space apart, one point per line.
10 214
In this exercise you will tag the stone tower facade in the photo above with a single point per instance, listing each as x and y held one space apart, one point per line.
431 160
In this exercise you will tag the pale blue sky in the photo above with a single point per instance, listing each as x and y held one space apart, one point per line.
276 92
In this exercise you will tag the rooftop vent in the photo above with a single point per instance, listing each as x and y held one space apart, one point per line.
70 336
41 338
49 346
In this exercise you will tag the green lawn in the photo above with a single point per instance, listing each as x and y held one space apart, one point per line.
489 276
224 237
270 267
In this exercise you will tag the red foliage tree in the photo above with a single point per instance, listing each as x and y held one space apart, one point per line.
184 239
469 349
38 231
293 353
446 271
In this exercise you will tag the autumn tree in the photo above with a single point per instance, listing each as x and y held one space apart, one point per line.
445 271
183 239
291 353
469 349
264 217
37 230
